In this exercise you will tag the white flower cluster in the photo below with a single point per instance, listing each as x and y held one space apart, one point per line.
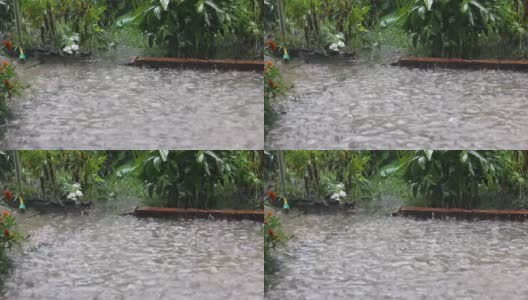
339 194
71 49
337 46
72 45
76 195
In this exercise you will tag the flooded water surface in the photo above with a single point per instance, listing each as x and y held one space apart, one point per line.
362 105
360 257
105 105
85 257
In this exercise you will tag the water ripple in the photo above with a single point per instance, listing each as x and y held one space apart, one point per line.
371 106
108 106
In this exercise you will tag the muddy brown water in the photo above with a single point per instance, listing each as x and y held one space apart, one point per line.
106 105
337 256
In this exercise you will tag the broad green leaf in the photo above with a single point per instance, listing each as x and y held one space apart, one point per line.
213 5
157 163
422 161
429 154
477 4
164 4
428 4
200 7
201 157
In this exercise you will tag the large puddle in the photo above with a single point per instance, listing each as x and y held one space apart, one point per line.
90 257
106 105
372 257
338 105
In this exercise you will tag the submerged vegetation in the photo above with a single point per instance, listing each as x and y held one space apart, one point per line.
449 179
445 28
220 28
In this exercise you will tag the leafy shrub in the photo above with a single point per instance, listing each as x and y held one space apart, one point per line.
274 237
273 87
9 85
192 28
450 28
200 179
9 236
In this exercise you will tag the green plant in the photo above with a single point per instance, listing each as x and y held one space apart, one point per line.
198 179
194 28
450 28
274 237
452 178
55 173
9 235
9 85
66 25
273 87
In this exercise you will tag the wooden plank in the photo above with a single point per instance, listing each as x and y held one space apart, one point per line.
460 213
196 63
458 63
192 213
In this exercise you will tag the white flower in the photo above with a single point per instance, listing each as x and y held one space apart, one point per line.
342 194
71 196
340 36
77 185
78 194
75 47
341 44
340 186
333 47
68 50
335 196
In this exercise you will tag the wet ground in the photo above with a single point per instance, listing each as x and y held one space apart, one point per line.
337 104
107 105
336 256
121 257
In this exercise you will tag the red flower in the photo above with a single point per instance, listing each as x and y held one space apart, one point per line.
7 83
8 195
8 45
272 45
7 233
269 64
5 64
6 213
270 214
271 83
271 233
272 195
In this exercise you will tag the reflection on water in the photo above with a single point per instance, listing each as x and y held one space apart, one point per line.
373 106
360 257
85 257
104 105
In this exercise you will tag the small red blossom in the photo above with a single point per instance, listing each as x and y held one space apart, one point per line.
272 195
7 83
271 83
270 214
8 195
8 45
6 213
271 233
269 64
7 233
5 64
272 45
